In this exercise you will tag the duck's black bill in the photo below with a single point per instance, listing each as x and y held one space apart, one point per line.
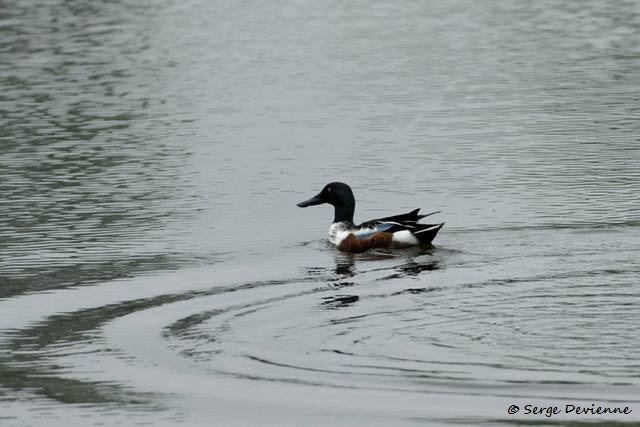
315 200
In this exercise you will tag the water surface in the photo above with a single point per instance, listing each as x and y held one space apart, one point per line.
154 267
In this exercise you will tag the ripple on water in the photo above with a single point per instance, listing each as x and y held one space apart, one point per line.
451 322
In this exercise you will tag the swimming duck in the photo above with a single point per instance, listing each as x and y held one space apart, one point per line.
398 230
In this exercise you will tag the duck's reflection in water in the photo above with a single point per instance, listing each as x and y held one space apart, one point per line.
410 264
339 301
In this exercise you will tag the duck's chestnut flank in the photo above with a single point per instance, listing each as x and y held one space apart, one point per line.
377 240
397 230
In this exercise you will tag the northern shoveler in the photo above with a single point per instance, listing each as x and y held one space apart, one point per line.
398 230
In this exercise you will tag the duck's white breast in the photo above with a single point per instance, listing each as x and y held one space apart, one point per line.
338 232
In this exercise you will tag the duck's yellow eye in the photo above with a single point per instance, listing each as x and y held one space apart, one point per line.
328 188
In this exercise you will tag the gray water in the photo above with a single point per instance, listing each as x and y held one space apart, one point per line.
154 268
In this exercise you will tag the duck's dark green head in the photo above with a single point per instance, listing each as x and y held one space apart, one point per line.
337 194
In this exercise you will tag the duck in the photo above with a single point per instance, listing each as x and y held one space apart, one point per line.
392 231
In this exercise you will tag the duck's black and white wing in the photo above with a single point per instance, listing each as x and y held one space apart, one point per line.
405 227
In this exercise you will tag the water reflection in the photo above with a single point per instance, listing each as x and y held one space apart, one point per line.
338 301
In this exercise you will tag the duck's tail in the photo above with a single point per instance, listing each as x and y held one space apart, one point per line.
426 232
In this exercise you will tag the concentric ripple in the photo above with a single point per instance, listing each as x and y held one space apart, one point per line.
570 327
449 323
